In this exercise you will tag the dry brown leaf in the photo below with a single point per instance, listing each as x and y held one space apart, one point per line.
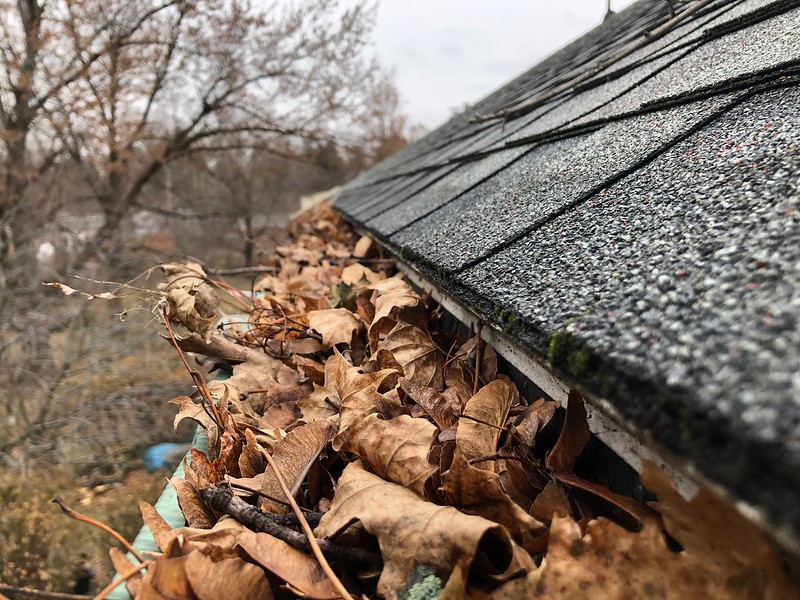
156 524
719 540
483 420
396 449
311 367
122 564
414 350
192 507
573 438
358 274
68 291
296 568
363 246
479 492
336 325
633 507
192 301
263 374
552 502
389 296
532 420
413 532
358 392
459 382
319 405
217 543
608 562
188 409
166 580
251 461
468 353
230 578
439 408
294 455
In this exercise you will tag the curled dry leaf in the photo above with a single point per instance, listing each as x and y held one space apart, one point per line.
719 541
296 568
416 353
413 532
294 455
573 438
192 301
123 564
156 524
251 461
396 449
532 420
357 391
389 296
335 325
439 408
609 562
483 420
192 507
479 492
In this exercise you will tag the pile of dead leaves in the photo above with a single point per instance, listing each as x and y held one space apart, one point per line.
341 405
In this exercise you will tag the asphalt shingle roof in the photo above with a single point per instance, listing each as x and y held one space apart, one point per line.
641 230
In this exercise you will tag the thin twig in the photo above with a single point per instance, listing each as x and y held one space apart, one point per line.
222 500
121 579
102 526
477 420
291 519
307 529
497 456
197 378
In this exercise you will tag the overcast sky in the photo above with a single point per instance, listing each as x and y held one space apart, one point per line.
450 52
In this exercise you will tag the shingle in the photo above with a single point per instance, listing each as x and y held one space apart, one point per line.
547 180
685 273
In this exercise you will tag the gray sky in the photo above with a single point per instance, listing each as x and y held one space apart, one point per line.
450 52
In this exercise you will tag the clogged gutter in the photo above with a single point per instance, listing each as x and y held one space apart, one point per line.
419 467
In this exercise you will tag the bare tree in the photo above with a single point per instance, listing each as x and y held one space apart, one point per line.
210 77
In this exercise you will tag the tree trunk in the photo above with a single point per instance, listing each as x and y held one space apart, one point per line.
249 241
